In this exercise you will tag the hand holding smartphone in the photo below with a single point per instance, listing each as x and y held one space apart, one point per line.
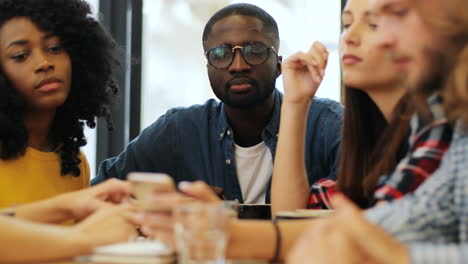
145 183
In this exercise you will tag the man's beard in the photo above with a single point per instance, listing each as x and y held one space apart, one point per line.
255 99
259 96
437 69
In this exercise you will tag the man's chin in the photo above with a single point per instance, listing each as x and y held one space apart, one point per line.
432 84
425 82
431 78
241 103
246 100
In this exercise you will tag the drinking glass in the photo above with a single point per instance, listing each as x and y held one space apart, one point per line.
202 231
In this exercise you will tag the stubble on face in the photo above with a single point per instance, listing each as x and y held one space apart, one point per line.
413 43
237 30
434 73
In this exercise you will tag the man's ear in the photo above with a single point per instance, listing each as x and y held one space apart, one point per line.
280 60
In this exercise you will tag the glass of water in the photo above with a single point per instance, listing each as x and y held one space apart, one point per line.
202 231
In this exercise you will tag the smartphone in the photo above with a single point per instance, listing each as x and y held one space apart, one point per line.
146 183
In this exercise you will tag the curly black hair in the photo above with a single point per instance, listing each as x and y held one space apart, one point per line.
94 58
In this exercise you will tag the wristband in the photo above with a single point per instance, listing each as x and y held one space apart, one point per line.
276 256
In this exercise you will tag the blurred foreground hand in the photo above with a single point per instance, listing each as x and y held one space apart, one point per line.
158 220
347 237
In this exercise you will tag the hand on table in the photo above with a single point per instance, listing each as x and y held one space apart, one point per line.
75 205
85 202
347 237
109 224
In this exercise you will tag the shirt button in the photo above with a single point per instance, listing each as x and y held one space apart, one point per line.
229 132
228 161
221 135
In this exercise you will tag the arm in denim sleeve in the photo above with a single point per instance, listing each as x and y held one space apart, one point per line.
151 151
432 253
323 139
333 130
322 189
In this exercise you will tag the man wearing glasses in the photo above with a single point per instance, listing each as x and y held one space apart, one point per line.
231 144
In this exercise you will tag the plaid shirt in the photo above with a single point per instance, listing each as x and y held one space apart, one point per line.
320 194
423 253
426 145
436 214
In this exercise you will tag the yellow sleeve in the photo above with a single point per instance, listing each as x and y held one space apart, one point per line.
85 171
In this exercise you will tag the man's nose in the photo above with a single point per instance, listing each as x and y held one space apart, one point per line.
238 63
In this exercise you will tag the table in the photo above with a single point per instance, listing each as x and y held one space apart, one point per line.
230 262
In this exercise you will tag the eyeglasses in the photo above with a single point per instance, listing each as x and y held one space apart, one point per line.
253 53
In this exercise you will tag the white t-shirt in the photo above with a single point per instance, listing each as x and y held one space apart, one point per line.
254 168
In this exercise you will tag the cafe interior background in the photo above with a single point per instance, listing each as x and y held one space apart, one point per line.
164 62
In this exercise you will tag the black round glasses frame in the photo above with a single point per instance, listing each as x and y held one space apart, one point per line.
241 48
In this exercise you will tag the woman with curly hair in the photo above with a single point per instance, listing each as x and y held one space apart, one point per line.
56 66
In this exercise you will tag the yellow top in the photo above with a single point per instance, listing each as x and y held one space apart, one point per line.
36 176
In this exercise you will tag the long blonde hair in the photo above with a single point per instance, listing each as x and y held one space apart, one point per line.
454 24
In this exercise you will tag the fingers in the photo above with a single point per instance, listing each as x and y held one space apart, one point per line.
308 247
126 211
321 49
112 190
130 214
326 237
342 204
157 221
305 62
199 190
110 215
314 61
165 201
110 224
159 226
355 226
319 54
91 206
218 191
166 238
351 216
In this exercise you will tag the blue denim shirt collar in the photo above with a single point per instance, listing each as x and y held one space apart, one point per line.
272 127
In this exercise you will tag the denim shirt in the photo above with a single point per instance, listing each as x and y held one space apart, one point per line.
197 143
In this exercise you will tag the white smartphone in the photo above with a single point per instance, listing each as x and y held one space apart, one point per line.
146 183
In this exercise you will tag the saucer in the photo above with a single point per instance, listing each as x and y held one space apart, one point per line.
135 252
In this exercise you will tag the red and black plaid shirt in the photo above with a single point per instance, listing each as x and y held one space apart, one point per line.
427 144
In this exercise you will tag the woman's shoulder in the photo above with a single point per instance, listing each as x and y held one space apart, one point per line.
84 169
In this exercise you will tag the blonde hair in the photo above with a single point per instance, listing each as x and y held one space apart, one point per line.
454 24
